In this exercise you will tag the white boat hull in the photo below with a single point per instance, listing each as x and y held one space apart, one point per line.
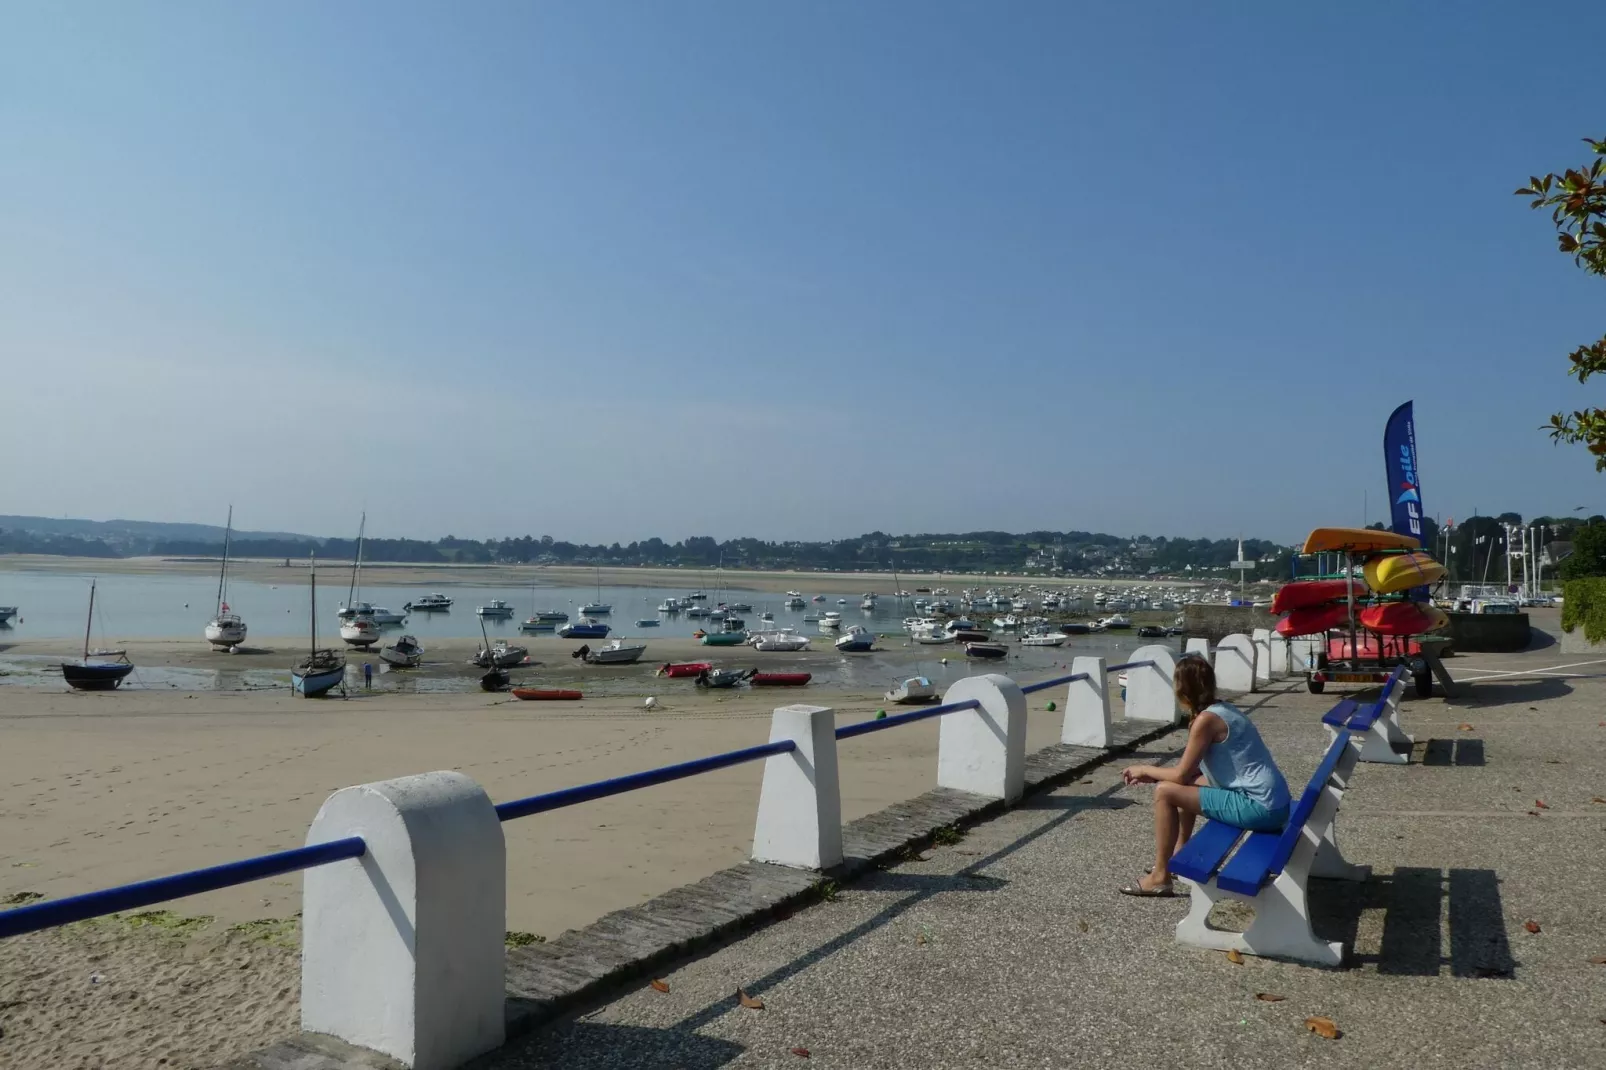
223 634
359 633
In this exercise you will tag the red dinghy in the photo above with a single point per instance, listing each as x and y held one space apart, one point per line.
693 668
536 694
1403 618
1298 595
780 679
1313 620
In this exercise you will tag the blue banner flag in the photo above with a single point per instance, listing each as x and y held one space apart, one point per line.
1405 489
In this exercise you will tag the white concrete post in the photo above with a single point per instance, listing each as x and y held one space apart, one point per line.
800 805
402 948
1087 706
1235 663
1261 638
1302 654
1199 647
1279 656
983 751
1150 693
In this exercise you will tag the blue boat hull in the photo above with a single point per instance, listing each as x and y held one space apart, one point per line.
584 631
314 684
95 676
856 648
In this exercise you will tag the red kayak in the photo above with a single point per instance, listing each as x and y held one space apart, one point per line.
530 694
693 668
780 679
1402 618
1314 620
1298 595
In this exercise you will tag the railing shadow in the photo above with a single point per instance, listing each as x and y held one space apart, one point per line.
1453 752
585 1045
1424 910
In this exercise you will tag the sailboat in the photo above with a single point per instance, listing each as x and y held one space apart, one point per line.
89 675
354 610
496 678
599 607
225 629
320 670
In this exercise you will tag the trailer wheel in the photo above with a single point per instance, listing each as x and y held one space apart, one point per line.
1316 686
1424 685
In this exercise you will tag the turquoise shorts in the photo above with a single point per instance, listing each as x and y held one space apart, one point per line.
1240 811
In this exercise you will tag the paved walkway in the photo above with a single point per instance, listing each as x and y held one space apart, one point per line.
1012 949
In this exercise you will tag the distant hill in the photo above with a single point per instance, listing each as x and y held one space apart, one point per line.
133 537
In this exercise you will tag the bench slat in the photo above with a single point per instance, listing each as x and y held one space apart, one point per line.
1264 854
1202 854
1340 714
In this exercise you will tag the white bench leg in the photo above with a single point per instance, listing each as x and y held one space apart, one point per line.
1379 744
1282 925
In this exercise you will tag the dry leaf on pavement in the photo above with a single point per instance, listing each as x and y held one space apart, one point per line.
1597 799
748 1001
660 986
802 1053
1234 957
1598 960
1267 997
1463 726
1322 1027
1531 926
1541 804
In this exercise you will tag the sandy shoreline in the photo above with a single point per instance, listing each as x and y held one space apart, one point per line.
103 789
381 573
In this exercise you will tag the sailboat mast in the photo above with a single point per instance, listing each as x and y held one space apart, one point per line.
91 619
223 570
356 568
312 563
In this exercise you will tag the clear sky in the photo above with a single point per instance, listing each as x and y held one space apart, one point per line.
607 270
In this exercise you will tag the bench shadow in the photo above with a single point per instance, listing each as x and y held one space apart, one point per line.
1419 904
1453 752
580 1045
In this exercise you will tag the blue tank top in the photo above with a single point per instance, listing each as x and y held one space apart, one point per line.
1241 762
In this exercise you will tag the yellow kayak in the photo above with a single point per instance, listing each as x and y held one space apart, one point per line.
1357 540
1388 573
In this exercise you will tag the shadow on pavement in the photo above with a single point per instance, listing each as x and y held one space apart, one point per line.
581 1045
1490 693
1453 752
1415 901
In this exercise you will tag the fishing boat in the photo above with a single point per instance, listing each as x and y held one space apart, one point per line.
584 629
226 628
915 691
377 614
6 613
671 605
739 607
1006 624
1045 639
499 654
546 694
320 670
856 640
495 609
552 616
86 675
690 668
986 650
869 601
615 653
648 622
360 632
819 598
722 678
695 610
795 602
779 679
783 640
830 620
404 653
1116 622
697 596
430 603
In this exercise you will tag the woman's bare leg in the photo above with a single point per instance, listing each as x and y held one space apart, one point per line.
1185 823
1171 801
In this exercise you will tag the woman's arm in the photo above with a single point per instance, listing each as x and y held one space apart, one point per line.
1206 731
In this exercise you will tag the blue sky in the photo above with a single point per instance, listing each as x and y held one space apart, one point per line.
611 270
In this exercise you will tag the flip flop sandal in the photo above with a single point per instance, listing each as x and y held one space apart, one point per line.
1137 890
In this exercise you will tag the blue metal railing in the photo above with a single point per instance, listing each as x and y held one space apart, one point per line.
601 789
864 728
38 916
1044 685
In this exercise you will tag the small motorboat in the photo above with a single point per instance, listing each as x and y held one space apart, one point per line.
1077 628
739 607
596 609
546 694
495 609
648 622
968 635
615 653
795 602
360 632
779 679
856 640
404 653
584 629
915 691
377 614
784 641
933 638
830 620
536 624
6 613
722 678
690 668
552 616
496 680
1151 631
499 655
430 603
766 615
671 605
1115 622
819 598
695 610
986 650
1046 639
735 638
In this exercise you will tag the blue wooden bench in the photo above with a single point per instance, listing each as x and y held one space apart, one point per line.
1383 740
1271 870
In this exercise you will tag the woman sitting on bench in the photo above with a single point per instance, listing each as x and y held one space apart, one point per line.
1245 788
